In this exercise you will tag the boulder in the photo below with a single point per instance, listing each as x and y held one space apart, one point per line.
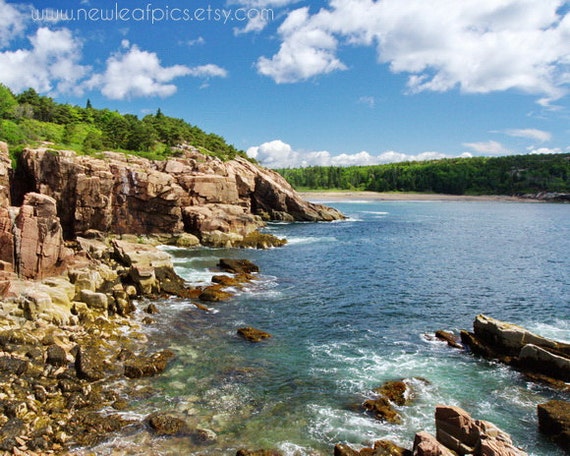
89 363
382 409
459 432
545 359
215 293
38 238
148 366
95 301
56 355
537 359
259 453
426 444
237 266
507 338
252 334
204 436
397 392
168 424
448 337
381 448
150 269
5 171
7 238
554 420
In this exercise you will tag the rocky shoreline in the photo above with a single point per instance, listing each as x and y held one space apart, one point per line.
70 345
79 263
78 255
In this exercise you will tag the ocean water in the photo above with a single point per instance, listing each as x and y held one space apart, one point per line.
351 305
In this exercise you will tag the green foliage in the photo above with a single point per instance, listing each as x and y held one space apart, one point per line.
7 102
11 132
31 117
510 175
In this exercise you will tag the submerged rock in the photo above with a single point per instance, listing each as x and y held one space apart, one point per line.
252 334
237 266
382 409
259 453
396 391
381 448
215 293
448 337
168 424
148 366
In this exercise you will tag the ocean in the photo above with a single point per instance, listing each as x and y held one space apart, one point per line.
353 304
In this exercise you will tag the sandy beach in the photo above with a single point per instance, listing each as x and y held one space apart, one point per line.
401 196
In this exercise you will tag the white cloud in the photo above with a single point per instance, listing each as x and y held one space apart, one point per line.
207 71
546 150
256 24
13 22
478 46
51 65
275 154
530 133
278 154
488 148
368 101
307 50
195 42
138 73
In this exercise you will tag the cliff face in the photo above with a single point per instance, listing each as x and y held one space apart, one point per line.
219 202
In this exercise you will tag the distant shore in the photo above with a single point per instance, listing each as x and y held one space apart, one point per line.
330 196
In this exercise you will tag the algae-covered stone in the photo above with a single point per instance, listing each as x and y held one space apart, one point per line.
89 363
253 334
147 366
382 410
168 424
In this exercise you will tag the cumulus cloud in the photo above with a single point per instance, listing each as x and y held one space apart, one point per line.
138 73
307 50
530 133
488 148
279 154
275 154
478 46
547 150
13 22
50 65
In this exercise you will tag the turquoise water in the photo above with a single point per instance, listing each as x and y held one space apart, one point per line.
349 305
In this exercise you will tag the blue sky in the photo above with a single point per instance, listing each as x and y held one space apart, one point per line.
295 83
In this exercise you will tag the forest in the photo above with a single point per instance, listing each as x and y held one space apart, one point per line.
28 118
508 175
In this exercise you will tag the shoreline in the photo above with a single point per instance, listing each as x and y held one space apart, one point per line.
340 196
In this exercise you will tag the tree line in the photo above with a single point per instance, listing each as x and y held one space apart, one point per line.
509 175
29 117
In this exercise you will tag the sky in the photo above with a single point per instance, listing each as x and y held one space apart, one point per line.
297 83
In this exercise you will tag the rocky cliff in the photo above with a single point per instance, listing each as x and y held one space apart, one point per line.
192 192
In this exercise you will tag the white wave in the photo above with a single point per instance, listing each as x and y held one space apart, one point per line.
375 212
310 240
559 330
292 449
